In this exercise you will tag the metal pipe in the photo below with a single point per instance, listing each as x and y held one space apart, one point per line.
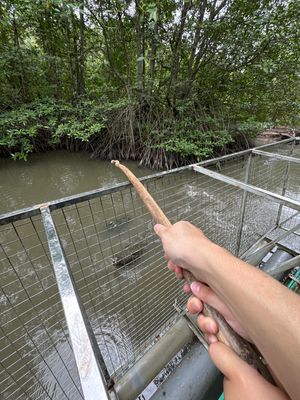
195 378
258 255
285 266
286 229
265 237
276 260
145 370
243 205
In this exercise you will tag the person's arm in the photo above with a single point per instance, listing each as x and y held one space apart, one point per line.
267 310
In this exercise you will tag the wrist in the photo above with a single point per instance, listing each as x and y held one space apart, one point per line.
204 260
220 264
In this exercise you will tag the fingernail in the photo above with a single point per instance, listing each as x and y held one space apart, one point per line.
156 228
195 286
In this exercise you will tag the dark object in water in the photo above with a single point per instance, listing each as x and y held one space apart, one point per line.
130 253
117 222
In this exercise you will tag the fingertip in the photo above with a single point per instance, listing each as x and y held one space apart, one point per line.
186 288
158 229
219 356
207 324
178 272
195 287
227 361
194 305
215 348
171 266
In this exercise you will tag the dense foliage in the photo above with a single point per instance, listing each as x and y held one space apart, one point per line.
165 82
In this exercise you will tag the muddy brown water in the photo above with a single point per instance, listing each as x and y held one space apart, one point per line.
53 175
58 174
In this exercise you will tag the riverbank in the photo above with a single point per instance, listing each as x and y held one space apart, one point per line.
151 135
278 133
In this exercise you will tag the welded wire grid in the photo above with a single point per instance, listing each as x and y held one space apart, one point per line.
130 303
292 187
261 214
278 176
281 177
235 168
36 359
269 173
119 269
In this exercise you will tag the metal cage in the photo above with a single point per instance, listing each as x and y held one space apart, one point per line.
85 293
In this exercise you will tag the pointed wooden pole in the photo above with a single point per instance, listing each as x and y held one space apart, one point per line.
225 334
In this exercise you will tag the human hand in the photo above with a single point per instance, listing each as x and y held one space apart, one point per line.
241 381
187 247
204 294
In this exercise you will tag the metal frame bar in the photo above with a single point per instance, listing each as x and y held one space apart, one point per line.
283 247
285 183
91 367
243 204
70 200
275 155
250 188
286 229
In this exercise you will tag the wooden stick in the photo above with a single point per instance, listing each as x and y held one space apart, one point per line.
225 334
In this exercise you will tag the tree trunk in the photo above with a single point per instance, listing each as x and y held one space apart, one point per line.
81 81
21 74
76 58
125 52
140 50
171 95
72 76
153 53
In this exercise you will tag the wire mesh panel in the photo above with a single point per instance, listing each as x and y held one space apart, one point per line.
119 269
260 216
235 168
292 184
279 176
118 264
35 355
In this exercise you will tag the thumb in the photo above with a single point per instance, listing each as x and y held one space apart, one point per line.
159 229
227 361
